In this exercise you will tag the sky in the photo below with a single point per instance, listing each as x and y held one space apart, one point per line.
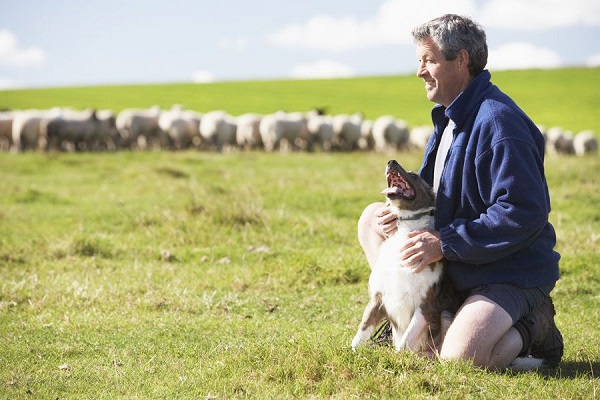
81 43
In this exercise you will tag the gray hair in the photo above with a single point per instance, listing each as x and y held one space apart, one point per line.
452 33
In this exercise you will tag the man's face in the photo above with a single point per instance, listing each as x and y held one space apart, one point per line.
444 80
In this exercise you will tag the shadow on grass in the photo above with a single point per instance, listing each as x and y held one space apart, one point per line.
573 370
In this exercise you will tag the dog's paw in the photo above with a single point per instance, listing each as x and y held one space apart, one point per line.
357 341
399 343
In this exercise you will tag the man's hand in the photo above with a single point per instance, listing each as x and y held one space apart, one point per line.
422 248
387 223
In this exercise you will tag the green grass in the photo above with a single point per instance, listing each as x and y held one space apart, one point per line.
567 98
217 276
202 275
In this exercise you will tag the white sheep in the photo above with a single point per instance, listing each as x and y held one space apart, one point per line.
248 131
26 129
346 131
218 129
139 127
559 141
282 131
6 121
389 133
585 142
366 141
320 131
181 127
419 136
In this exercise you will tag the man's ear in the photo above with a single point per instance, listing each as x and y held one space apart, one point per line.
463 58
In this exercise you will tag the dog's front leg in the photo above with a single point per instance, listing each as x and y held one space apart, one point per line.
414 335
374 313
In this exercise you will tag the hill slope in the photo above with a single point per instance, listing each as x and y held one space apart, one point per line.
563 97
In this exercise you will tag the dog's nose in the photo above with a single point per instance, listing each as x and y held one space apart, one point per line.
392 162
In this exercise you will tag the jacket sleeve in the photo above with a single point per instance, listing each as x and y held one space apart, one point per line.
512 205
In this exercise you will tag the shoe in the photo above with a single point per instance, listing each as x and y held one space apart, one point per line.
551 346
383 334
545 340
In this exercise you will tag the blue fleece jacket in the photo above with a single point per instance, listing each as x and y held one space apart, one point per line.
492 205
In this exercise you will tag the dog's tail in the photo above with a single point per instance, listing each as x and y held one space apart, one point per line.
446 318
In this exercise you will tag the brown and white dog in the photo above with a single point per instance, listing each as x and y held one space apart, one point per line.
409 300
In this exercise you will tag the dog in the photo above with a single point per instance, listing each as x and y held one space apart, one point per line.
412 302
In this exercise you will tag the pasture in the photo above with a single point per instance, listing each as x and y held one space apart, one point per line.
567 98
203 275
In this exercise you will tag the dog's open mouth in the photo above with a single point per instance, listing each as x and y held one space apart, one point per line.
398 186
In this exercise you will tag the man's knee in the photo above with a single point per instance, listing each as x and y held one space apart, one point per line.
366 223
368 215
476 330
368 237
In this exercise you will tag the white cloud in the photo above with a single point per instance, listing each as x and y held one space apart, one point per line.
538 14
395 19
392 24
322 69
202 77
522 56
593 61
13 56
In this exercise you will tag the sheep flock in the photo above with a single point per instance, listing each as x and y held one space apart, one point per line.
63 129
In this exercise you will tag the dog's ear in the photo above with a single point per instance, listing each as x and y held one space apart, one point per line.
425 187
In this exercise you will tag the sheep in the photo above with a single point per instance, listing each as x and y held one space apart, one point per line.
282 130
26 129
108 137
71 130
248 131
6 122
139 128
346 131
319 131
543 129
218 129
389 133
419 136
182 127
366 141
585 142
559 141
67 129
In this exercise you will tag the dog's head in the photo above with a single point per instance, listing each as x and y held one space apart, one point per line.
407 190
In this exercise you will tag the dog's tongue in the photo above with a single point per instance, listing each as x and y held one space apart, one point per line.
391 190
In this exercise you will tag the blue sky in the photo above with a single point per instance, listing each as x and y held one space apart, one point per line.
72 43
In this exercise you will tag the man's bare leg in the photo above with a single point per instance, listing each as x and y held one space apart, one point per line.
482 332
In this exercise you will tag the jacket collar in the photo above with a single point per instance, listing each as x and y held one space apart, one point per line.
460 109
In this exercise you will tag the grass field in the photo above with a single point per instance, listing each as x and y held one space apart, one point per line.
202 275
142 275
567 98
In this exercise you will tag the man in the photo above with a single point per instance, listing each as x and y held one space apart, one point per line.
485 162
